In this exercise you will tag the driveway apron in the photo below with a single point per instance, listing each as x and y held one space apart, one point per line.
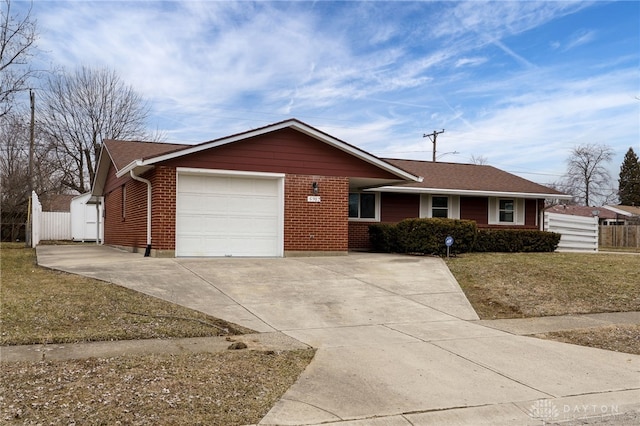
393 333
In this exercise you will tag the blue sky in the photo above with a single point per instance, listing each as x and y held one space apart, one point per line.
518 83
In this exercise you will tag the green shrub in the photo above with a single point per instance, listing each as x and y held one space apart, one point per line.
516 240
382 238
423 236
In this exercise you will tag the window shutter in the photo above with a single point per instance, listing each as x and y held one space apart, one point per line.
425 205
493 211
519 211
454 207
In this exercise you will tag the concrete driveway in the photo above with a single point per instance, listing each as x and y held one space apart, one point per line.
396 338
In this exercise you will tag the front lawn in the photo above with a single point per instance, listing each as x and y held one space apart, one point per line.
44 306
501 285
505 285
40 306
228 388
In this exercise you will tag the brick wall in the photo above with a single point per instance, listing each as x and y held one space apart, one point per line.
126 224
359 235
319 226
163 194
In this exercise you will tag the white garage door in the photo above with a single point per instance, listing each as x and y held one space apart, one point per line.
228 216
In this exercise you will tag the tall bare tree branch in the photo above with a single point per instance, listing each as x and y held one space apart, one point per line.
81 109
587 176
17 45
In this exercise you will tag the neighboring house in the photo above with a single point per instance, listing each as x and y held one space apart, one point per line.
605 215
491 197
288 189
626 214
56 202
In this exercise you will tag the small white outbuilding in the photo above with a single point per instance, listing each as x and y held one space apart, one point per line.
87 218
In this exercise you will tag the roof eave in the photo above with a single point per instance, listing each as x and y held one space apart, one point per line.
102 170
618 211
138 166
470 192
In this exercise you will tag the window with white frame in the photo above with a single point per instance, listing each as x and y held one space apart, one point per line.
362 205
439 206
506 211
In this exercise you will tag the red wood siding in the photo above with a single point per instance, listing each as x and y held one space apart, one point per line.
475 208
396 207
284 151
530 212
316 226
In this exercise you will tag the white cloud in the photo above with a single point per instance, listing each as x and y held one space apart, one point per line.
580 38
472 61
375 74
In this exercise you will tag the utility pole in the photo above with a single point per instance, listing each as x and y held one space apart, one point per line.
432 137
32 125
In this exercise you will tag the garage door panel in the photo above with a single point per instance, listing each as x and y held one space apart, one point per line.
228 216
197 203
252 226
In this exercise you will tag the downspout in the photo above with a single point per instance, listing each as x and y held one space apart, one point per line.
147 252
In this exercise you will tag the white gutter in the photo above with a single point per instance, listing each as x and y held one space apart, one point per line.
147 252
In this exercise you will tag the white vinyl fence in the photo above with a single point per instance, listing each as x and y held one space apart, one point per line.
55 226
36 214
578 233
48 225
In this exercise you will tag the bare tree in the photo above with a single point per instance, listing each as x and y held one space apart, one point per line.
560 186
17 46
80 110
14 172
479 160
587 177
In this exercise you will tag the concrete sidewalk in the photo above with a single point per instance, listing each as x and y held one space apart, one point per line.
280 341
531 326
398 343
65 351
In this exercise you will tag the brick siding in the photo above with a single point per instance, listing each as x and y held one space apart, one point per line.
130 229
163 195
359 235
310 226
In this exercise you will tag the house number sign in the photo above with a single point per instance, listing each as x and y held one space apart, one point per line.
313 199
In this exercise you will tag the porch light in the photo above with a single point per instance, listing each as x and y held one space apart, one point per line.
315 188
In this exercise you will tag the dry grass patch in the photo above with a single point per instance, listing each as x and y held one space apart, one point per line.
619 338
229 388
44 306
501 285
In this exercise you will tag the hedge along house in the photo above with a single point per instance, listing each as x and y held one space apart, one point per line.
491 197
283 189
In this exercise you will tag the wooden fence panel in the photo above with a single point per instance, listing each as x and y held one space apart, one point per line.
620 236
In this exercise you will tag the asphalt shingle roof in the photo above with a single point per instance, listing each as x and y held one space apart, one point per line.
585 211
470 177
124 152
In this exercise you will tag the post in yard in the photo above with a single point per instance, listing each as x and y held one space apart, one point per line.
448 242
